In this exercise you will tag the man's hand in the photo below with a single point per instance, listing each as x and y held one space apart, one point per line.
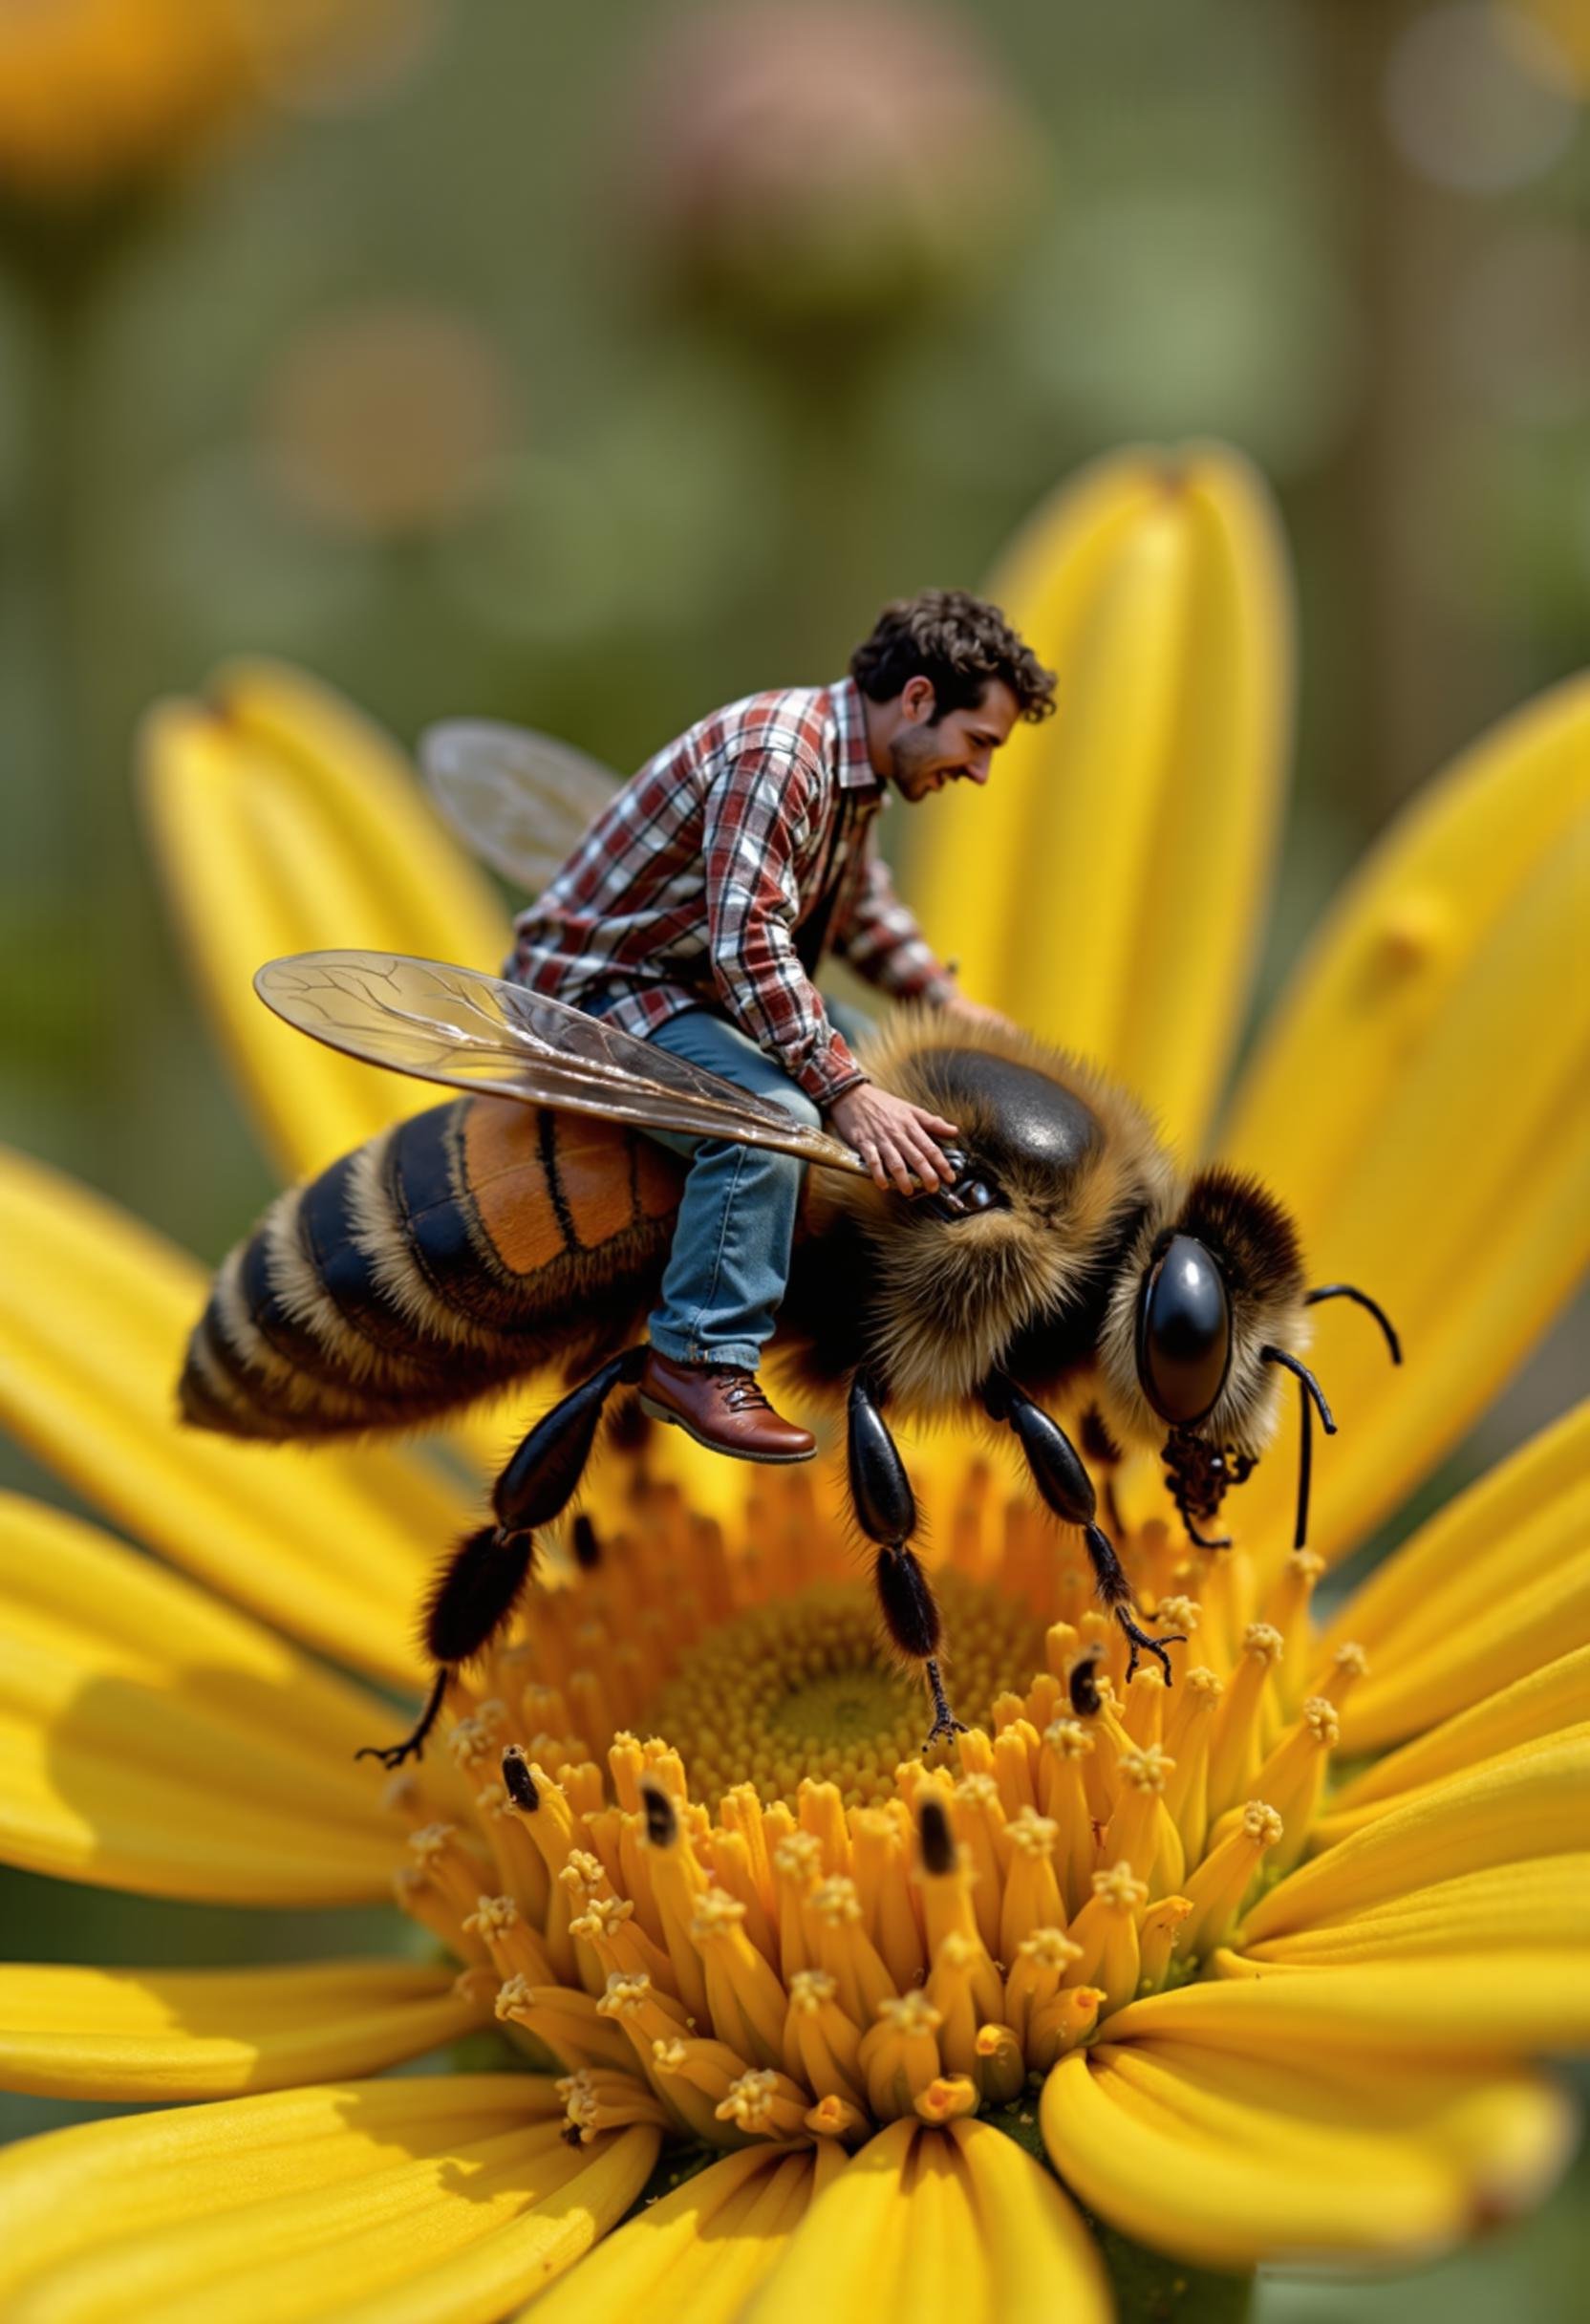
894 1138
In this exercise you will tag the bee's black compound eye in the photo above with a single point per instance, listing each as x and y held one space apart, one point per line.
1183 1332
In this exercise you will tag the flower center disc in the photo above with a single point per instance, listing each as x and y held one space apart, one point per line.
803 1687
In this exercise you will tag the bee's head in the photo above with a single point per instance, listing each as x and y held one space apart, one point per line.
1214 1281
1207 1317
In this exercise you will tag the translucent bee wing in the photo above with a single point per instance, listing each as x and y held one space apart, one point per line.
443 1024
519 800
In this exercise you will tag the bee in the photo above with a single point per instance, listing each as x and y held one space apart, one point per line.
529 1221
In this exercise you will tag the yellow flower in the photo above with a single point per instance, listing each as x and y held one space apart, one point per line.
1256 1964
93 92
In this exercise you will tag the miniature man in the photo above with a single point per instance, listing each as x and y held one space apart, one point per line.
694 914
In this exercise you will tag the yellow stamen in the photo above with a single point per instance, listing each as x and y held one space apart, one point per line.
899 2056
1233 1753
856 1936
1061 2023
595 2100
1188 1737
745 2001
797 1869
1036 1974
515 1951
764 2105
1106 1935
1218 1888
947 2099
822 2047
1157 1940
564 2021
423 1901
1293 1777
1066 1747
1002 2070
837 1939
519 1866
1140 1831
677 1883
1347 1665
1032 1898
1145 1708
454 1869
1286 1611
882 1859
835 2118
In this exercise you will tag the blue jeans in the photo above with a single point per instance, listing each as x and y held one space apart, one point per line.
730 1260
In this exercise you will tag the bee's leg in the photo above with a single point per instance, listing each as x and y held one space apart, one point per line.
478 1587
1059 1474
886 1511
542 1476
1103 1455
393 1754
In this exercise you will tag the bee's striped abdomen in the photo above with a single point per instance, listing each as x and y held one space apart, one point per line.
466 1245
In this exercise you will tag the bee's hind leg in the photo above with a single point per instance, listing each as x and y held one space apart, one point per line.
886 1511
1061 1477
478 1587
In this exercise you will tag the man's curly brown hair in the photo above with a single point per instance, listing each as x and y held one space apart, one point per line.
959 643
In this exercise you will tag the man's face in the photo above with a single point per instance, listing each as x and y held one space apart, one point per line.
960 748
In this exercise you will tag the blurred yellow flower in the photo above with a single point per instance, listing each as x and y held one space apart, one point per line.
1256 1964
97 93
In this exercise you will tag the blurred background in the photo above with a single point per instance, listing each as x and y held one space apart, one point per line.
590 367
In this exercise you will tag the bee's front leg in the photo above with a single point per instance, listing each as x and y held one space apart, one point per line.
1065 1486
886 1511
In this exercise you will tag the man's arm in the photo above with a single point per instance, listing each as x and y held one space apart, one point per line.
880 940
882 943
756 812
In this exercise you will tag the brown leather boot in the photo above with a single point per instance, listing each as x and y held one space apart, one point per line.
723 1409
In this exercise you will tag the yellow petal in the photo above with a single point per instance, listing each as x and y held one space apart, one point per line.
284 822
855 2247
1474 2005
1450 1659
1534 1800
702 2251
1470 1602
1544 1904
94 1311
1547 1702
427 2199
1422 1103
153 2034
1043 2261
1228 2161
1155 587
152 1739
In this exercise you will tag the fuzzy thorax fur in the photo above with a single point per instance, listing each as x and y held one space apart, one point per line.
1051 1277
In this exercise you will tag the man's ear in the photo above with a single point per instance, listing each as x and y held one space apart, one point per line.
918 699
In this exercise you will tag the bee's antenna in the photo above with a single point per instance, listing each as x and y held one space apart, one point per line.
1350 1291
1309 1394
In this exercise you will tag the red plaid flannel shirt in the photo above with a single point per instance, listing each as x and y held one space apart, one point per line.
721 873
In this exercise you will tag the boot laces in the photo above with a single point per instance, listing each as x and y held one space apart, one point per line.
741 1390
